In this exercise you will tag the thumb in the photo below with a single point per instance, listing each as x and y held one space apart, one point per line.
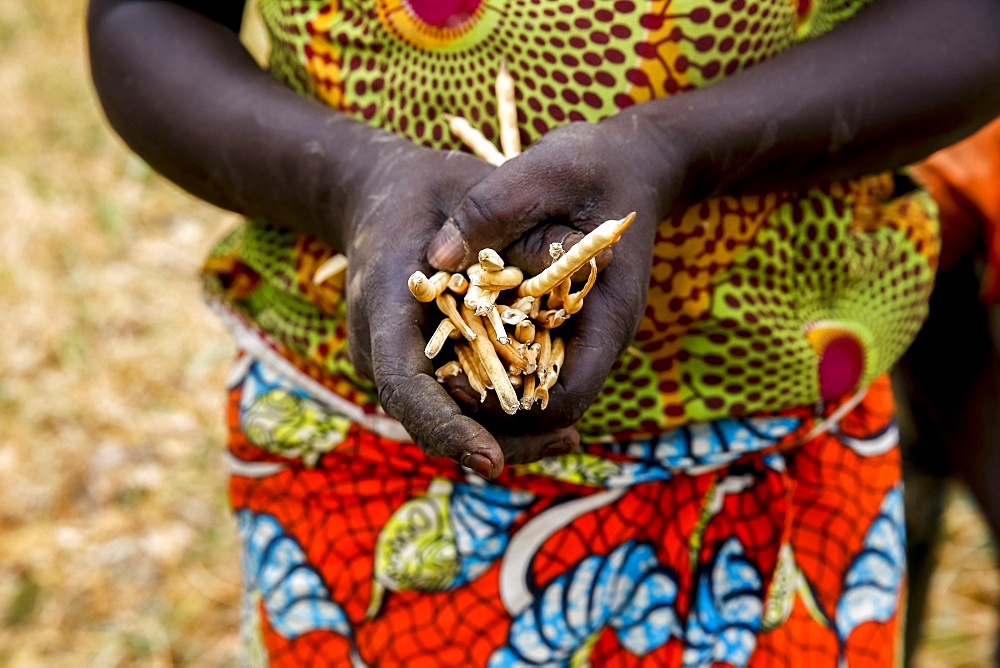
497 211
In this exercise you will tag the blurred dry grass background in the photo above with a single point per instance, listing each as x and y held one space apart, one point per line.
115 545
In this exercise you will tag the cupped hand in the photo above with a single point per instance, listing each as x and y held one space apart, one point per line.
392 217
565 185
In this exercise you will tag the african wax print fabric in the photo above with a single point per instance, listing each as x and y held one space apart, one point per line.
737 501
964 180
756 303
782 544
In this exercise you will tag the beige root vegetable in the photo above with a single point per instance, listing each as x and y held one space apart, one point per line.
475 140
427 289
448 370
330 268
441 334
447 305
495 371
574 301
458 284
529 358
501 279
510 138
471 367
603 236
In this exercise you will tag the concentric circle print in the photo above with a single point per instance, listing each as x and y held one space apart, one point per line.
429 24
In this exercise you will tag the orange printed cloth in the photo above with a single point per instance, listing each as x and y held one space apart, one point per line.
769 541
964 180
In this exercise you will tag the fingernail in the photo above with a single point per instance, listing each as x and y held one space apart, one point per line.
481 464
560 448
466 400
571 239
448 248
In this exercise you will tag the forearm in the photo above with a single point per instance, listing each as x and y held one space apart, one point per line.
888 87
189 99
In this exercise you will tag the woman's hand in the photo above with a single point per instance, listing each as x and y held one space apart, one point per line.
392 217
190 100
569 182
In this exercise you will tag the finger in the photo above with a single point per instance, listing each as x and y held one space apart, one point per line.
531 447
523 438
601 331
512 200
410 394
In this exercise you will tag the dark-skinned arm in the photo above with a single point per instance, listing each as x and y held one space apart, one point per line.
180 89
885 88
178 86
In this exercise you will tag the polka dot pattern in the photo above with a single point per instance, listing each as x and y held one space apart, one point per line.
736 281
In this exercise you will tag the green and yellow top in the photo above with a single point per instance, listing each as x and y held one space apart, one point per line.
756 304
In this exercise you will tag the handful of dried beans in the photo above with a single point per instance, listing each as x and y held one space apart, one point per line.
528 358
482 304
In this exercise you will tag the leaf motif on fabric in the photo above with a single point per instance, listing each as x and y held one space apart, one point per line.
277 573
873 582
728 605
706 445
444 538
284 420
628 590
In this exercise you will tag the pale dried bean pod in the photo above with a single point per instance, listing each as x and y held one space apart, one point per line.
493 316
524 332
474 139
552 318
490 260
524 304
510 138
458 284
515 378
507 278
556 356
330 268
448 370
438 338
557 298
512 356
447 305
427 289
574 301
470 366
487 302
479 299
512 316
544 342
532 356
528 388
603 236
542 396
494 369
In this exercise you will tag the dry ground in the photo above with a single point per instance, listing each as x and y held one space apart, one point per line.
115 545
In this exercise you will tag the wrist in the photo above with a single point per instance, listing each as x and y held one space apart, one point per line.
661 145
